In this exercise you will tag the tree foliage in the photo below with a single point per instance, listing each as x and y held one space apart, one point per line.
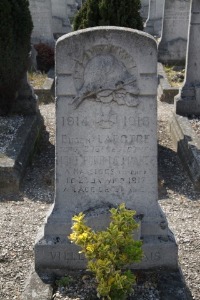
15 33
123 13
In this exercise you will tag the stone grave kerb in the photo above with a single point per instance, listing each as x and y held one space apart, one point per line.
106 143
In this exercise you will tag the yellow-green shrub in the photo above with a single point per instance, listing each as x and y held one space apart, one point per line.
109 251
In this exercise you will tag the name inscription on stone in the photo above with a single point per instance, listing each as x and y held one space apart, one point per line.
106 152
73 256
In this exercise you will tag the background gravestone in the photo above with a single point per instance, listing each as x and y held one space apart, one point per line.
41 13
144 9
61 23
154 22
173 44
106 142
72 6
188 100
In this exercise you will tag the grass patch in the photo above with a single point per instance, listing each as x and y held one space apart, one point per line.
175 75
37 79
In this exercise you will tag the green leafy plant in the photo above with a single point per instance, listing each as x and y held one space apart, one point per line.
109 251
123 13
64 281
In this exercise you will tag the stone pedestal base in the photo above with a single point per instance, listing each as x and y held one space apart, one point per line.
187 102
172 52
55 254
52 255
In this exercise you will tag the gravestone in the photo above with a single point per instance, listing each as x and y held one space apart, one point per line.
188 100
72 7
61 23
106 143
41 12
144 9
173 44
154 22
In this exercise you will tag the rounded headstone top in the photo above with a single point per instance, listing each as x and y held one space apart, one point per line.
108 29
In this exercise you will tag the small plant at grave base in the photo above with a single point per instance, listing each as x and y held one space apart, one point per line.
175 77
64 281
109 251
37 79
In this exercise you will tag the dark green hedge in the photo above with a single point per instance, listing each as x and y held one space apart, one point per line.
15 34
123 13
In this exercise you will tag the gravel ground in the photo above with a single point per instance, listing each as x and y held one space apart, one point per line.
21 215
195 123
8 129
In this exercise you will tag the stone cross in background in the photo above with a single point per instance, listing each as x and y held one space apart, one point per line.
106 143
153 24
173 44
188 100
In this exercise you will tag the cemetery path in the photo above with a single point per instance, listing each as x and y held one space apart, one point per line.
22 215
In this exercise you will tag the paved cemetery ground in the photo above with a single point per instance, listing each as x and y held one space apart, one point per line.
22 215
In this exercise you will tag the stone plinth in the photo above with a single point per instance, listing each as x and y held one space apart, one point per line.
188 100
173 44
106 143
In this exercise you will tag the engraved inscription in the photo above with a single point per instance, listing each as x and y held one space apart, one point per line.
59 255
105 173
107 160
107 115
152 256
64 255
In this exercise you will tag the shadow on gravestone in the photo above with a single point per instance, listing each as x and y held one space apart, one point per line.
26 102
106 144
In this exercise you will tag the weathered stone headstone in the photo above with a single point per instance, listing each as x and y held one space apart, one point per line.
144 9
155 18
61 23
72 7
41 12
106 142
173 44
188 100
